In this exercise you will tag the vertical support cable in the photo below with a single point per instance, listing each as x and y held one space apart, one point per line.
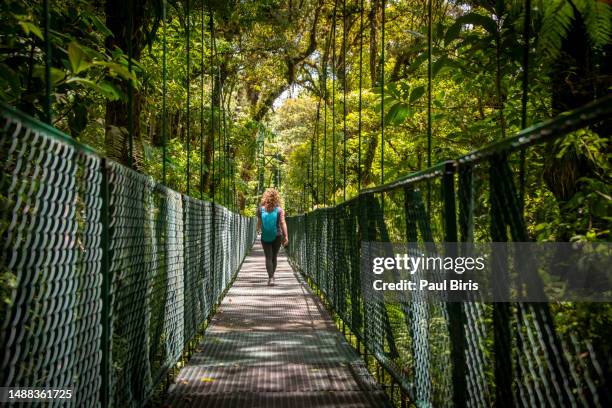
202 106
525 96
220 87
312 150
429 85
360 96
164 94
227 150
222 140
334 74
317 159
325 95
429 89
212 135
130 85
47 24
225 154
188 132
235 199
222 169
212 101
344 99
382 95
262 164
456 317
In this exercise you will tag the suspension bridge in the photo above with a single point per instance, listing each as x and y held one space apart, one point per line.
129 293
117 277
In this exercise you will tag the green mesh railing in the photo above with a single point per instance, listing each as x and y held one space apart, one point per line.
458 354
106 275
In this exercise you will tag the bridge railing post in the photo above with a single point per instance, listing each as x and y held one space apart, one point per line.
106 285
456 316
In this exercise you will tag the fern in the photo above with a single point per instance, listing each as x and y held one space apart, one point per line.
558 17
598 21
556 23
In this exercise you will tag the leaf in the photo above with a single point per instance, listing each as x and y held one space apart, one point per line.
453 32
438 65
598 19
91 53
207 379
57 75
108 90
471 18
100 26
116 69
393 90
417 93
556 23
405 88
29 27
77 58
417 62
397 114
477 19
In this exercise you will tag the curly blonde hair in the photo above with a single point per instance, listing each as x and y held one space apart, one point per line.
271 198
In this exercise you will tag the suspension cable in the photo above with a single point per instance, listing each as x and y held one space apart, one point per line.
525 96
225 179
360 96
429 90
316 175
345 72
220 120
429 84
47 24
202 104
164 94
130 85
188 132
325 134
382 96
334 74
312 150
212 102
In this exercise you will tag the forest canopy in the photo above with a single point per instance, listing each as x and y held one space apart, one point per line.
298 93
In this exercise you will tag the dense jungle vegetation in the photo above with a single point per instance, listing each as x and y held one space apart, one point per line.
287 79
221 99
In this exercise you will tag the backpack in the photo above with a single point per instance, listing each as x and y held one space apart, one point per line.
268 224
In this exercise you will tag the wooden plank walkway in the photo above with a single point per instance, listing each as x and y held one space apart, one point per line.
273 346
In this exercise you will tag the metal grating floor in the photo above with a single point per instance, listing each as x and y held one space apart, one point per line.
273 346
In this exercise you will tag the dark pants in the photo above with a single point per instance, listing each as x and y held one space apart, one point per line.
271 252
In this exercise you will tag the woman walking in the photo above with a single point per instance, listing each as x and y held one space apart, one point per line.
271 223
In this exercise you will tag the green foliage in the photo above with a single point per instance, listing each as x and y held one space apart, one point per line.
476 73
265 78
557 17
587 215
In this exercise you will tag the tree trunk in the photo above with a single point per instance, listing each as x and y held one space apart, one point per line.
373 16
214 128
368 159
117 123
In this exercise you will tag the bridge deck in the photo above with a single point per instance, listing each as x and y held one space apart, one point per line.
273 346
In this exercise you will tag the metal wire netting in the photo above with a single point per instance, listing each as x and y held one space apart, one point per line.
51 262
106 275
473 354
